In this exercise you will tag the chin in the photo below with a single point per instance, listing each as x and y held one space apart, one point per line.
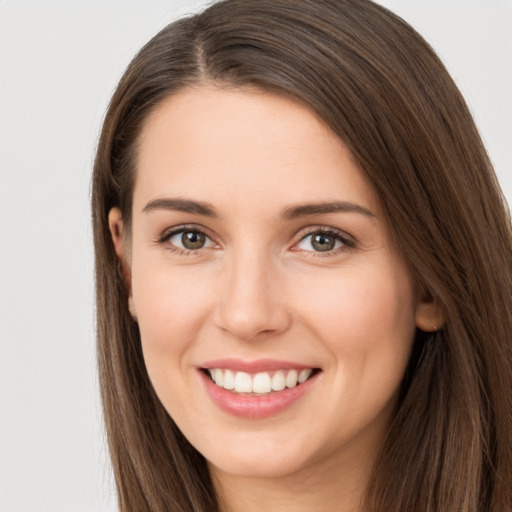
259 467
277 456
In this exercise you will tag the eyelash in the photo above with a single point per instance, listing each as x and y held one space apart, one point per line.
348 243
167 235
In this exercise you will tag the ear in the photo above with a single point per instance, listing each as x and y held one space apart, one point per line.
116 226
429 315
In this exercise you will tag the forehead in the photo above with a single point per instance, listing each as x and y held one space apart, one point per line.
211 144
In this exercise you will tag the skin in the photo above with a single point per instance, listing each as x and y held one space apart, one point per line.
260 289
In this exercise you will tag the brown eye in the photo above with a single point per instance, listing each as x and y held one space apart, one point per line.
193 240
323 242
187 240
327 241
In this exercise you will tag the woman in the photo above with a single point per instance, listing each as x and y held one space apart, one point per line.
303 271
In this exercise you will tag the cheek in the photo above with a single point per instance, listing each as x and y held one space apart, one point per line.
171 306
365 319
365 323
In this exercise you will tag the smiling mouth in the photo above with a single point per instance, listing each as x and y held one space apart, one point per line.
258 384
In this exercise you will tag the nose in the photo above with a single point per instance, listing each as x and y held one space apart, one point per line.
251 303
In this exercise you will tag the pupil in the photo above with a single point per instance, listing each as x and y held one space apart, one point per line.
323 243
193 240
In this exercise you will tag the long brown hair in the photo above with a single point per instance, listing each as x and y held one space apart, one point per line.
379 86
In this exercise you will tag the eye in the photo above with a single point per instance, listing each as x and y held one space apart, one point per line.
323 241
187 240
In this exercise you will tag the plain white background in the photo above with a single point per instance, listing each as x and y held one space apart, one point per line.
59 63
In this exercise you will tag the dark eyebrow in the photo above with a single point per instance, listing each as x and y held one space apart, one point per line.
293 212
304 210
181 205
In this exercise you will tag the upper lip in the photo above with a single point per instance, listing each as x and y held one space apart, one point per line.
254 366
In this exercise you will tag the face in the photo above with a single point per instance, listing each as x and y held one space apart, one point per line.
276 317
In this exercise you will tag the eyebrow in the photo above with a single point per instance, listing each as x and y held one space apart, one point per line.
304 210
293 212
181 205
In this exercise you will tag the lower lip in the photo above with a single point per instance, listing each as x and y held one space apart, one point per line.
255 407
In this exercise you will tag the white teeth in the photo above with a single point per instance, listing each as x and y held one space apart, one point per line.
278 381
229 379
261 383
243 383
304 375
291 378
218 377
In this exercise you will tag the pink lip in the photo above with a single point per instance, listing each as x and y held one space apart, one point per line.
252 406
259 365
